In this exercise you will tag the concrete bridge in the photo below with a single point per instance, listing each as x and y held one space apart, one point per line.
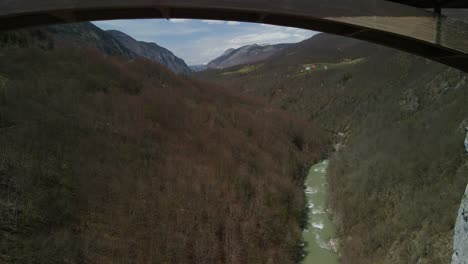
404 27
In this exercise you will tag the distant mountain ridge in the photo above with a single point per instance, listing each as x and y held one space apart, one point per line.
79 34
323 48
246 55
86 34
198 68
151 51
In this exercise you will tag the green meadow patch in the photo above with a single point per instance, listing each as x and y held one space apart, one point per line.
243 70
329 66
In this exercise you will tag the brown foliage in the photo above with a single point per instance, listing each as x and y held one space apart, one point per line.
107 161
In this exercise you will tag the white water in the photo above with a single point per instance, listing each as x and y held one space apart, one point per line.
320 231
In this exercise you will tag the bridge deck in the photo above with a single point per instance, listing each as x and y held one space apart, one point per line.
403 27
430 3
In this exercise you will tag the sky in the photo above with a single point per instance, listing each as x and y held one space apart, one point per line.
200 41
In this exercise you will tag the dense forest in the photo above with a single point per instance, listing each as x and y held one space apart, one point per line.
110 160
398 122
397 184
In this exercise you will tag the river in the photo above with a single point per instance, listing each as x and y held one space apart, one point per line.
320 232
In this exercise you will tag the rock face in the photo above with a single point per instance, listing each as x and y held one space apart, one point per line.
245 55
152 51
466 141
460 240
410 102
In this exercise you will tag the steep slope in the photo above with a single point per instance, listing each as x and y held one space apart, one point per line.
399 174
152 51
323 48
312 77
86 34
110 160
79 34
398 181
245 55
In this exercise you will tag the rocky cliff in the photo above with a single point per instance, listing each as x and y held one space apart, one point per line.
466 141
152 51
460 239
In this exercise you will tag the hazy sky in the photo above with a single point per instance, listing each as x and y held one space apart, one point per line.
200 41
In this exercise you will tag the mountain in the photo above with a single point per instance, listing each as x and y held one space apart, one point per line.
323 48
86 34
245 55
398 174
152 51
319 48
198 68
79 34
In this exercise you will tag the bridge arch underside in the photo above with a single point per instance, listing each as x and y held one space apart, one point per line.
391 24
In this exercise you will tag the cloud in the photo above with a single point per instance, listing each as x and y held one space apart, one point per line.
149 29
260 38
219 22
213 22
207 48
178 20
233 23
269 26
200 41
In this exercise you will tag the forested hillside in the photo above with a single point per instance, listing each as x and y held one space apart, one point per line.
397 184
110 158
106 160
245 55
86 34
398 121
152 51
